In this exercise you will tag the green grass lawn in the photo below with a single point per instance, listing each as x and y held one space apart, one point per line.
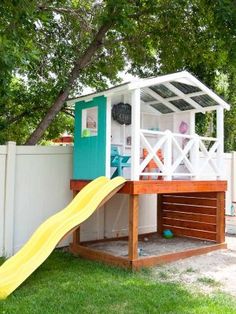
65 284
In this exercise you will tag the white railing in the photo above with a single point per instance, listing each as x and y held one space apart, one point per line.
181 155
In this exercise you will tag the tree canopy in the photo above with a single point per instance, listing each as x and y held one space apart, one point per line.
50 50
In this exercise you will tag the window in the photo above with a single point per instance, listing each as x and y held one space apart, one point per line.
89 122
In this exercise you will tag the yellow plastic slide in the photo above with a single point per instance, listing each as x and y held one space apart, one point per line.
19 267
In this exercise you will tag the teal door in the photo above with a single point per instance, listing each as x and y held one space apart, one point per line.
89 161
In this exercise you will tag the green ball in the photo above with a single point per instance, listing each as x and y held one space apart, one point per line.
168 234
86 133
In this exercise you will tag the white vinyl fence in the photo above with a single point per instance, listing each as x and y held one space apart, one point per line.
35 183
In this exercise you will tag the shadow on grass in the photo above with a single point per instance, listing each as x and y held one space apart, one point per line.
2 260
64 284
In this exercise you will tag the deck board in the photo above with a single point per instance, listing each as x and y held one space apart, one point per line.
160 187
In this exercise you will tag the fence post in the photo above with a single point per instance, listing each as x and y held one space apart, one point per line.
233 177
3 153
9 199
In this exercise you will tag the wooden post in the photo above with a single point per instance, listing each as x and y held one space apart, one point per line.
108 138
220 138
76 233
194 156
192 123
133 227
168 156
194 152
135 134
76 236
220 218
159 214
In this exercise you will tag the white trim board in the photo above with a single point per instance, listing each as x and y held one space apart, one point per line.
184 77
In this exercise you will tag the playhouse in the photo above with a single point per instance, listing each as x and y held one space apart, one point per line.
145 132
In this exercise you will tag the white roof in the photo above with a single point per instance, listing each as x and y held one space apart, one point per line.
168 93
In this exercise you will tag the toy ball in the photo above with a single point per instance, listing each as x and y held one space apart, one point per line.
168 234
86 133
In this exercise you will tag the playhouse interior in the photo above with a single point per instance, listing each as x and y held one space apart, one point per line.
152 118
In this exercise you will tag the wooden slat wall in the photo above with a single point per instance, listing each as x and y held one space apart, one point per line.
197 215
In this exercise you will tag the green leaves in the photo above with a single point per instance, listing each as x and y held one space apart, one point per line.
41 43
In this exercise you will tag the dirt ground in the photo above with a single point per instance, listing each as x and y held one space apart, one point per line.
150 245
207 273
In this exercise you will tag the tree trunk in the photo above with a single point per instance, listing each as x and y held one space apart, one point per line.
50 115
79 65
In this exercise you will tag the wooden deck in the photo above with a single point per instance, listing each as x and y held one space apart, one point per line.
193 209
161 186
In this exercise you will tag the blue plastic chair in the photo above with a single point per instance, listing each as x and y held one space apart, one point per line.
118 161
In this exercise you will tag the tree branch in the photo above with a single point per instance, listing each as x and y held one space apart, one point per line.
69 113
68 10
23 114
79 13
78 66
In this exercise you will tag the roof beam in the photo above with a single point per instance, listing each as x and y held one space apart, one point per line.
177 97
149 109
184 96
161 99
118 90
158 80
189 95
207 90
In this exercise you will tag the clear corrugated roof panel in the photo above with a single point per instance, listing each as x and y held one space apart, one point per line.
205 100
182 104
162 90
161 108
185 88
146 97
